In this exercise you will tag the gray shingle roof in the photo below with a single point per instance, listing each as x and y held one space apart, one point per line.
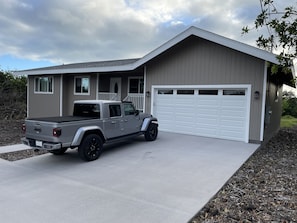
94 64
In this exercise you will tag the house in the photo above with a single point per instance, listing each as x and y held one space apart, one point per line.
197 83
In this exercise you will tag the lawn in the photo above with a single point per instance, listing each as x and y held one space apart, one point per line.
288 121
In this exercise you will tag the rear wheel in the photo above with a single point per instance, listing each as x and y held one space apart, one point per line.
151 132
91 147
58 151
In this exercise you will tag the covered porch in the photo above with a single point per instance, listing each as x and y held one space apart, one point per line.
122 87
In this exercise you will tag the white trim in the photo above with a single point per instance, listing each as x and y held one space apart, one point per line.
74 86
144 88
243 86
97 87
263 103
213 86
248 114
28 93
61 95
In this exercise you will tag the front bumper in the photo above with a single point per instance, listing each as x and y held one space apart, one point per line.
41 145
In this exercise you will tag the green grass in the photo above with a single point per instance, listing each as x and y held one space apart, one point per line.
288 121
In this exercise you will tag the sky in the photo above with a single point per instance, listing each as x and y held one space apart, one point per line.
39 33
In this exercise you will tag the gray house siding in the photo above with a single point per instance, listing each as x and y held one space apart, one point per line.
273 110
199 62
68 91
41 104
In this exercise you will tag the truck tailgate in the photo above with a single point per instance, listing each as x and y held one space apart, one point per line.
40 130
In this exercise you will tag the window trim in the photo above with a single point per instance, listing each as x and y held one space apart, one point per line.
74 86
37 91
136 78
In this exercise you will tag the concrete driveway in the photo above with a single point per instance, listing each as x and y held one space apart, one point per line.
167 180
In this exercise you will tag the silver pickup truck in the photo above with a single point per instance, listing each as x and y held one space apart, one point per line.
94 123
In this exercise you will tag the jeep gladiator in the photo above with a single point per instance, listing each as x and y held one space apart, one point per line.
94 123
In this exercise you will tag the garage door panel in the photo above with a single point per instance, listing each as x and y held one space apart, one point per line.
219 116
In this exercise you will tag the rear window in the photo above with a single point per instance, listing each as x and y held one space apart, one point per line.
87 110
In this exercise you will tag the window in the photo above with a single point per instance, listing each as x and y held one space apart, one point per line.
234 92
87 110
43 85
136 85
188 92
208 92
165 91
81 85
129 109
114 110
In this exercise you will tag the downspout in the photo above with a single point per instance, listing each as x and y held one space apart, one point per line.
263 103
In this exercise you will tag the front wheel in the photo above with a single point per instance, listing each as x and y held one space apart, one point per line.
151 132
91 147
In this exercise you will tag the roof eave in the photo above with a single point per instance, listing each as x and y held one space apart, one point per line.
76 70
233 44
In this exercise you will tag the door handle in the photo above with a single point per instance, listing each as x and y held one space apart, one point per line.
113 122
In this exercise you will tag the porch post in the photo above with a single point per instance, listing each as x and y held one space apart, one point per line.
97 87
61 95
144 88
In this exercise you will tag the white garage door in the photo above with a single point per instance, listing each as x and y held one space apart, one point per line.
219 113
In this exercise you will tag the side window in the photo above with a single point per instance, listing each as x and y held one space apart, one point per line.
129 109
81 85
43 85
114 110
86 110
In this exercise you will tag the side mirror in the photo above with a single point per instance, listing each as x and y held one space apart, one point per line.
136 112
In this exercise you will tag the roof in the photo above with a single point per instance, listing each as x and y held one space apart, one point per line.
132 64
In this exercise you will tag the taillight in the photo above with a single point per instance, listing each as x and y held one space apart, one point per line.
57 132
24 128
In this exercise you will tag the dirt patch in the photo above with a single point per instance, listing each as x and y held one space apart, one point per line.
11 132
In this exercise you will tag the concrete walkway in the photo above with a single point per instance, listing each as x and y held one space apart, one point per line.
166 181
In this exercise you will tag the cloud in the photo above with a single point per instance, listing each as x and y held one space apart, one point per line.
78 30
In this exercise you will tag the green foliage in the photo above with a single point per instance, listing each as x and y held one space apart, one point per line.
13 96
281 25
288 121
290 107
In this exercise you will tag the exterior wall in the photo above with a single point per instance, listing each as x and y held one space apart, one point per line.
273 110
68 91
200 62
42 105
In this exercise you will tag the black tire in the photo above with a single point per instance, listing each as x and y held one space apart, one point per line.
151 132
58 151
91 147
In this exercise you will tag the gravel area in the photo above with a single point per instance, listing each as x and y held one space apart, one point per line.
264 189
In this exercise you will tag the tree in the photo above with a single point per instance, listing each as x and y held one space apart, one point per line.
281 25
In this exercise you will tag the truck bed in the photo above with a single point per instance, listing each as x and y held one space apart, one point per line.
59 119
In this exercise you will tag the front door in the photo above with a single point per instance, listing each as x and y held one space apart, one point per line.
116 87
